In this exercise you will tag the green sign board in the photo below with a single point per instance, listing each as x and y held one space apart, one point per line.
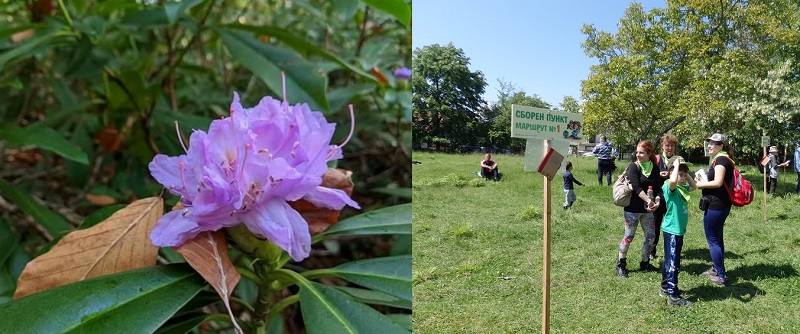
538 123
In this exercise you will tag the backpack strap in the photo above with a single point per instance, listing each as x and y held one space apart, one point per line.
730 191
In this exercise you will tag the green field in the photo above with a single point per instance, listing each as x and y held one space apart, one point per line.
477 260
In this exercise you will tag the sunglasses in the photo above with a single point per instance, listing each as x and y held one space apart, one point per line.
715 143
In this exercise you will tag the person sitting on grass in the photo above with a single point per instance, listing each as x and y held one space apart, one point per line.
489 168
569 193
676 195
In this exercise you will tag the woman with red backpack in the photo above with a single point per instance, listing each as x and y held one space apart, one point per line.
716 203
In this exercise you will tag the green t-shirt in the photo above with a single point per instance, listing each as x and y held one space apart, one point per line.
677 215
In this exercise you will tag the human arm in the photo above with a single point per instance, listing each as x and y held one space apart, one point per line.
692 184
673 176
633 172
719 177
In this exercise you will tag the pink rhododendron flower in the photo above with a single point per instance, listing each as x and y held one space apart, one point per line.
245 170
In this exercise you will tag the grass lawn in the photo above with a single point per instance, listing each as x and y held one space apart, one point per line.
477 260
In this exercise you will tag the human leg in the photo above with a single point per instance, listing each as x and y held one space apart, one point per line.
658 217
672 262
646 220
495 173
713 222
566 198
631 222
772 184
600 172
797 188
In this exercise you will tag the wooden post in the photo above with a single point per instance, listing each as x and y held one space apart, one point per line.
765 187
546 252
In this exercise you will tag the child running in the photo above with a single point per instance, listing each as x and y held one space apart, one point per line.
676 195
569 193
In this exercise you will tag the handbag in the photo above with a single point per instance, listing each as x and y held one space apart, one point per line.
622 190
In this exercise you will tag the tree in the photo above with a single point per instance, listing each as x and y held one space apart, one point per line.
500 133
691 68
447 95
570 104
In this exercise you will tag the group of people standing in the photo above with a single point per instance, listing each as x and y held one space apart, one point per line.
667 175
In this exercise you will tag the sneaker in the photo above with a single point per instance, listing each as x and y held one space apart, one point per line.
622 272
663 293
717 280
678 301
646 266
710 272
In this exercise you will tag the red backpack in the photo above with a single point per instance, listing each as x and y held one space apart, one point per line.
742 193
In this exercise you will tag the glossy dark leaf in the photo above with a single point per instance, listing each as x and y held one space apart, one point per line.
51 221
392 220
8 240
397 8
303 46
131 302
391 274
183 323
46 139
303 82
26 48
328 310
375 297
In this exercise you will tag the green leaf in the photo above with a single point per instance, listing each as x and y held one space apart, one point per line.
391 274
303 46
345 9
183 323
303 83
137 301
26 48
327 310
404 320
7 285
392 220
397 8
51 221
172 10
402 245
46 139
8 240
375 297
339 97
396 192
17 262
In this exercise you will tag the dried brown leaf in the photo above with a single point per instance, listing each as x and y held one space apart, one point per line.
207 253
320 219
101 200
119 243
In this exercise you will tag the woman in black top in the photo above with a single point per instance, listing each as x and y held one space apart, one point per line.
718 204
642 173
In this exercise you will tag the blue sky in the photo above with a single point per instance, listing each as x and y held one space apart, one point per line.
535 44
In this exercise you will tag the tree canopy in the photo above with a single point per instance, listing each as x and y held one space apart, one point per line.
447 96
696 67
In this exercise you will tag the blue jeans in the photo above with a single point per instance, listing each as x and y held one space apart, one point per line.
486 173
673 244
713 222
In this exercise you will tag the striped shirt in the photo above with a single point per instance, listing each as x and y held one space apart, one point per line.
602 150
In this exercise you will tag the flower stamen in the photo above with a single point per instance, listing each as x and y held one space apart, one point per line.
352 126
180 138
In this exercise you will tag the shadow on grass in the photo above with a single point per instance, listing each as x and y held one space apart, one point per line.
702 254
757 271
743 291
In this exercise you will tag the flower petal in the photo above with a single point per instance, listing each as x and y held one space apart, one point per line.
173 229
282 225
330 198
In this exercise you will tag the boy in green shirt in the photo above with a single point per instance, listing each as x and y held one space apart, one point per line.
676 195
